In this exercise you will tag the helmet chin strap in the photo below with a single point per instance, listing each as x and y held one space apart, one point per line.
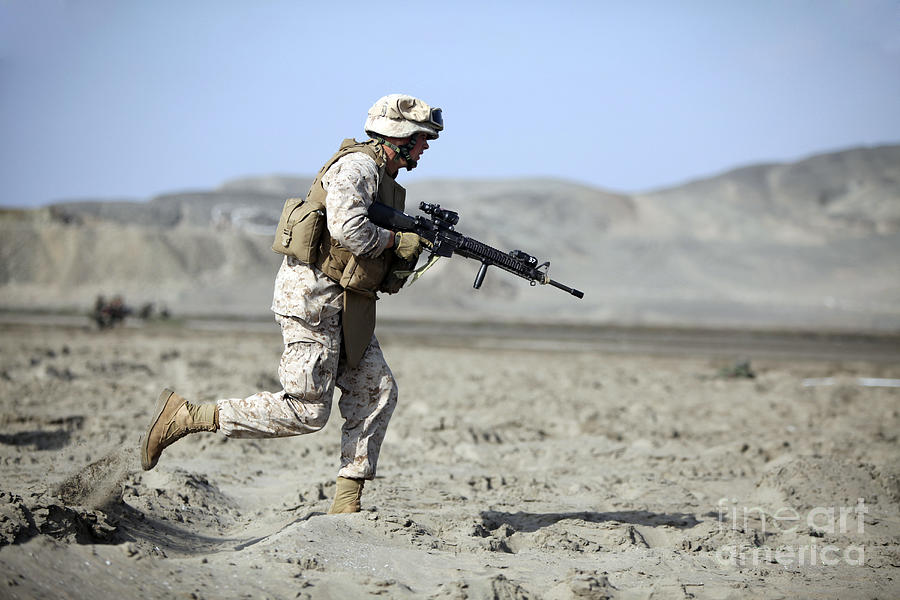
403 150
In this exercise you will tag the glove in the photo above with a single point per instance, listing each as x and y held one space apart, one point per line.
408 245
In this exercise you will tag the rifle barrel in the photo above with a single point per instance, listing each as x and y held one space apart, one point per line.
565 288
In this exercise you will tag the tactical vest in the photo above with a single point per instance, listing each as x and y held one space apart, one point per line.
302 233
355 273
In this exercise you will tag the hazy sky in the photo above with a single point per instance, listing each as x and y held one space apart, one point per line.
124 98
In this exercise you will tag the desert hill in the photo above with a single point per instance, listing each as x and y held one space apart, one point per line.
808 244
831 196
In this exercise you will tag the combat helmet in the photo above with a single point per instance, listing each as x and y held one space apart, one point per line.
400 116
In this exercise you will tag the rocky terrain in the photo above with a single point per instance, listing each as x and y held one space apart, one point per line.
810 244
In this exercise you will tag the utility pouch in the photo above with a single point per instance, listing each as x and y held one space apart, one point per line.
363 275
299 230
393 282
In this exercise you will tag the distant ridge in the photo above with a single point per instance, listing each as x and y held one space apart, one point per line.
809 244
855 191
283 186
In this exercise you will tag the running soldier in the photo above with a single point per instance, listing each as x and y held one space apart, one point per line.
335 261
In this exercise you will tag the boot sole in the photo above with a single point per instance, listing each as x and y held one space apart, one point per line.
145 441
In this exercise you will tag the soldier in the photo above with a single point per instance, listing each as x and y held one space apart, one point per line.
325 303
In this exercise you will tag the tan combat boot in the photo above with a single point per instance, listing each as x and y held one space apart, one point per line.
174 418
346 496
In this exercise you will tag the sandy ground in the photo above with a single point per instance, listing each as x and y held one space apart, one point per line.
506 473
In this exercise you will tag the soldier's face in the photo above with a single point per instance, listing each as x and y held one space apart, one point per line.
420 147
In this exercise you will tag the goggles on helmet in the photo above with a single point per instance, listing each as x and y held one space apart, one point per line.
436 118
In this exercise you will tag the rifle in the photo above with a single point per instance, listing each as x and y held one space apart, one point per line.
446 241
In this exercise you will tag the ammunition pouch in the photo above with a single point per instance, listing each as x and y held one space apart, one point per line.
364 275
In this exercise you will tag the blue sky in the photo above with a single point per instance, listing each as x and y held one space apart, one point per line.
119 98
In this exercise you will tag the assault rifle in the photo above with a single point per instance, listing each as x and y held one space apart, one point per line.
446 241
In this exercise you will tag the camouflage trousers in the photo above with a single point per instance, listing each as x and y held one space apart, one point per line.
311 366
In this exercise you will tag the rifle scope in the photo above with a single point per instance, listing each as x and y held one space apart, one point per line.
440 214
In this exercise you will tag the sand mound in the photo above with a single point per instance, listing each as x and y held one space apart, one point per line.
806 482
22 521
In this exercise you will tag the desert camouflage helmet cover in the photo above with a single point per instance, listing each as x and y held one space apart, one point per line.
399 115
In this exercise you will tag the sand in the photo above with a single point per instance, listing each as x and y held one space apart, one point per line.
506 473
